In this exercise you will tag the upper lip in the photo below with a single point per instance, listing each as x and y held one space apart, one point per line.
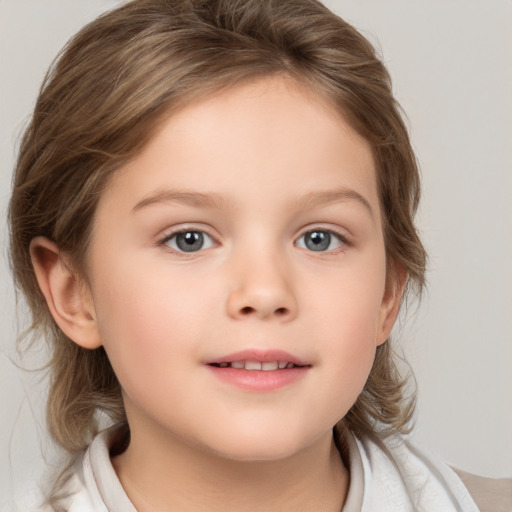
262 356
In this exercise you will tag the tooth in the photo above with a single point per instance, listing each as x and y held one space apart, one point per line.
282 364
238 364
290 365
252 365
269 366
223 365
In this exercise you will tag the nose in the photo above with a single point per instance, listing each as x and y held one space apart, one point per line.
261 287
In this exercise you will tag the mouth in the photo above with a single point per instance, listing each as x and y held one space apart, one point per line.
265 366
259 370
259 360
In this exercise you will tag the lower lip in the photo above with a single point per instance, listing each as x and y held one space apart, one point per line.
259 380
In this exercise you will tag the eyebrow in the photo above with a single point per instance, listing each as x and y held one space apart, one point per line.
216 201
319 199
195 199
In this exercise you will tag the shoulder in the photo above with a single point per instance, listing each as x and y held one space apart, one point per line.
73 494
490 494
404 476
91 484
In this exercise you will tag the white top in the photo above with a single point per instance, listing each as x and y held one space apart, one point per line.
411 480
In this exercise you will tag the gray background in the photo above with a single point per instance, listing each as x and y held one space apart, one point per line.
451 65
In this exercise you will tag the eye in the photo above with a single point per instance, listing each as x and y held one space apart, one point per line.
320 240
189 241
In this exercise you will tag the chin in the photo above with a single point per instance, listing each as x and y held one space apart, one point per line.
253 453
260 444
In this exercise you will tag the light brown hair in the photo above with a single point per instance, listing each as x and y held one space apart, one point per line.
104 98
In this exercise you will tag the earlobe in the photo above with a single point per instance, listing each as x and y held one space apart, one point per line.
391 302
69 299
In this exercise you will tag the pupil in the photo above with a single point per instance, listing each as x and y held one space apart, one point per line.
189 241
318 240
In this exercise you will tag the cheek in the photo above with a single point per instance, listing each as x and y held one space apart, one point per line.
351 346
149 321
346 326
348 303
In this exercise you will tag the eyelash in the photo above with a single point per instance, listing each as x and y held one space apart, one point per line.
343 242
165 241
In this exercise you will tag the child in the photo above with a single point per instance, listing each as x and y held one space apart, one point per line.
212 222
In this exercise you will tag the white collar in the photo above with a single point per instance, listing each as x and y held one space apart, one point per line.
401 478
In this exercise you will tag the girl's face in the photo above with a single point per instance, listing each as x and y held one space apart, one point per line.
246 236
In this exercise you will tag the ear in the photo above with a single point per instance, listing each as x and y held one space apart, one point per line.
68 297
395 285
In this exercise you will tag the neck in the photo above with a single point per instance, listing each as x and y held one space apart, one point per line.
163 474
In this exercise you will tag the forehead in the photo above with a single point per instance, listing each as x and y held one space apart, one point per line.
262 133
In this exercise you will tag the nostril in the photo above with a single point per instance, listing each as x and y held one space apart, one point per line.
247 310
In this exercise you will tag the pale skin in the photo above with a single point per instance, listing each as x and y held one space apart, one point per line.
254 171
